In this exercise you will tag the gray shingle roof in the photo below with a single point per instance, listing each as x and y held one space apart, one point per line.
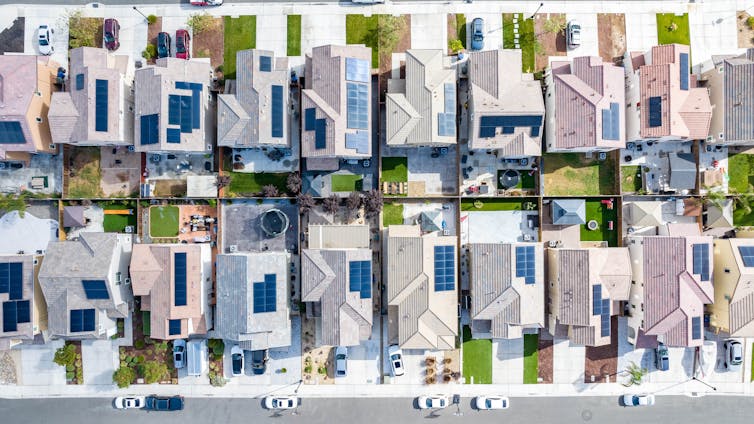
568 211
682 171
739 98
24 331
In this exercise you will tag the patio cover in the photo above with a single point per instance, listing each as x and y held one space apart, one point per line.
568 211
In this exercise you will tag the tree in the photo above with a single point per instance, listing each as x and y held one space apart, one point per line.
199 22
305 202
150 52
81 30
716 198
385 34
555 24
455 45
293 182
223 181
636 373
270 191
151 19
331 204
373 202
154 371
123 376
66 355
353 203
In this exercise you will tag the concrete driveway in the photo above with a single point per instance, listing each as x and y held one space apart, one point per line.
272 34
364 359
37 368
59 37
429 31
641 31
589 35
100 360
493 30
317 30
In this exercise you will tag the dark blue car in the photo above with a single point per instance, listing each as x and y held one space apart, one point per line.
163 44
163 403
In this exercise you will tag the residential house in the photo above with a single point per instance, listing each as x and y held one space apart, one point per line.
672 283
586 287
732 97
252 300
507 289
421 108
568 211
97 109
642 213
253 112
85 284
506 110
663 100
172 100
422 288
336 282
24 315
337 103
175 283
26 85
585 106
732 311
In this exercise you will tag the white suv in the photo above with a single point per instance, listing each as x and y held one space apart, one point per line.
44 40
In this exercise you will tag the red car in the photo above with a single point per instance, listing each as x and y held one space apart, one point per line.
182 44
110 32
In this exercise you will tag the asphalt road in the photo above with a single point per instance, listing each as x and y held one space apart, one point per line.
186 2
541 410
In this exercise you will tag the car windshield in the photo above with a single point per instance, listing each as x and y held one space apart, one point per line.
179 45
395 357
429 403
43 42
488 403
109 37
340 356
636 400
178 357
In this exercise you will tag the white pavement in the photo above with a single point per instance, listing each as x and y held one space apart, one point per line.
429 31
567 362
272 34
508 361
101 360
589 35
37 369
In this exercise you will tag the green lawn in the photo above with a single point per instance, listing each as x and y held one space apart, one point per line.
358 28
163 221
528 181
392 214
742 219
461 28
240 34
477 358
526 39
508 41
249 184
294 35
146 323
630 179
599 212
531 360
118 223
492 204
395 169
740 172
347 182
572 174
680 35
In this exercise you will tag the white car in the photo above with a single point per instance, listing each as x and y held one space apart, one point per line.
638 400
433 402
206 2
733 354
491 402
396 360
341 361
280 402
573 34
44 40
129 402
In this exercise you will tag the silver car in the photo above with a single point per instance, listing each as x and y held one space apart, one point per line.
179 353
734 354
341 361
573 34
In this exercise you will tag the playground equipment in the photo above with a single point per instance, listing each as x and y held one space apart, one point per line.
119 211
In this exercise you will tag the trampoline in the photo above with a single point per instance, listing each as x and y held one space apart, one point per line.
274 223
509 179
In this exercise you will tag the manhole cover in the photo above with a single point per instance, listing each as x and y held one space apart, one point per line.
586 415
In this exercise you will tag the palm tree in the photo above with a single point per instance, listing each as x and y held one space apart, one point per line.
636 373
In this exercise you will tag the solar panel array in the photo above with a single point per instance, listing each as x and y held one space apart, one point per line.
611 122
525 263
194 106
488 125
360 278
150 125
265 294
445 268
655 111
179 274
173 135
82 320
180 112
14 313
357 105
174 327
696 328
12 280
701 260
446 121
11 133
684 69
320 134
79 81
357 70
601 307
310 119
747 255
100 105
95 289
265 63
277 111
358 141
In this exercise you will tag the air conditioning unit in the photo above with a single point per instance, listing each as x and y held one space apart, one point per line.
209 147
721 136
131 149
36 262
446 232
233 248
127 280
710 139
52 146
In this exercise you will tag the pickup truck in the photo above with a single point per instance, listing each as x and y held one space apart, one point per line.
163 403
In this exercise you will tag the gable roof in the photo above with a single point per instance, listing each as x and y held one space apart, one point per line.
741 300
738 97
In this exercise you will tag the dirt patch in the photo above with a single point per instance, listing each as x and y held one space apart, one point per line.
386 58
210 43
544 360
603 360
315 361
197 230
120 172
745 33
170 188
153 30
12 38
552 41
82 172
146 350
611 28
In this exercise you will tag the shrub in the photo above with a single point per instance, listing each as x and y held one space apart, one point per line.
750 22
69 375
455 45
140 359
123 376
308 369
70 368
66 355
139 344
321 370
283 370
150 52
154 371
217 346
81 30
151 19
199 22
217 380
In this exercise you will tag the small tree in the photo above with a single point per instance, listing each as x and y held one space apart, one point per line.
123 376
373 202
455 45
636 373
750 22
66 355
305 202
199 22
270 191
151 19
555 24
293 182
150 52
331 204
353 203
154 371
81 30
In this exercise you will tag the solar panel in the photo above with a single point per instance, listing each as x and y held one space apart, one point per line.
265 63
358 141
174 327
445 273
597 299
100 105
450 98
16 276
655 111
179 267
79 81
193 120
174 109
320 134
265 294
95 289
357 105
310 119
186 122
606 306
11 133
489 124
446 124
696 328
4 277
701 260
747 256
357 70
196 116
535 131
9 317
277 111
684 69
611 122
150 129
81 320
23 311
605 325
173 135
525 263
360 278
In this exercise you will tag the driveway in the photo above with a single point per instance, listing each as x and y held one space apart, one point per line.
317 30
493 30
641 31
272 34
59 37
37 368
429 31
508 361
364 359
589 35
100 360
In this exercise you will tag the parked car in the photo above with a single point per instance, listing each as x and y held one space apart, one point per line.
259 361
341 361
491 402
573 34
16 165
163 44
44 40
236 359
110 33
206 2
129 402
477 34
280 402
182 44
163 403
638 400
733 354
662 361
396 360
433 402
179 353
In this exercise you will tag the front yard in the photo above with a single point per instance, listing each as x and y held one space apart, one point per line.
527 39
240 34
597 211
294 35
572 174
361 29
673 29
163 221
477 359
531 361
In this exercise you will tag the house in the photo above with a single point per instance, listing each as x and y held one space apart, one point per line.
585 106
568 211
85 284
336 282
672 283
732 310
586 287
506 110
507 289
642 213
732 98
719 215
252 300
171 105
421 108
174 282
97 109
422 290
26 85
24 315
663 100
337 103
253 113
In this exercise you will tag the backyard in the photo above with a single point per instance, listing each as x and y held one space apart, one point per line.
477 359
392 214
395 169
360 29
347 182
250 184
240 34
672 28
294 35
573 174
492 204
597 211
117 222
531 362
163 221
630 179
526 181
83 172
527 40
740 172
